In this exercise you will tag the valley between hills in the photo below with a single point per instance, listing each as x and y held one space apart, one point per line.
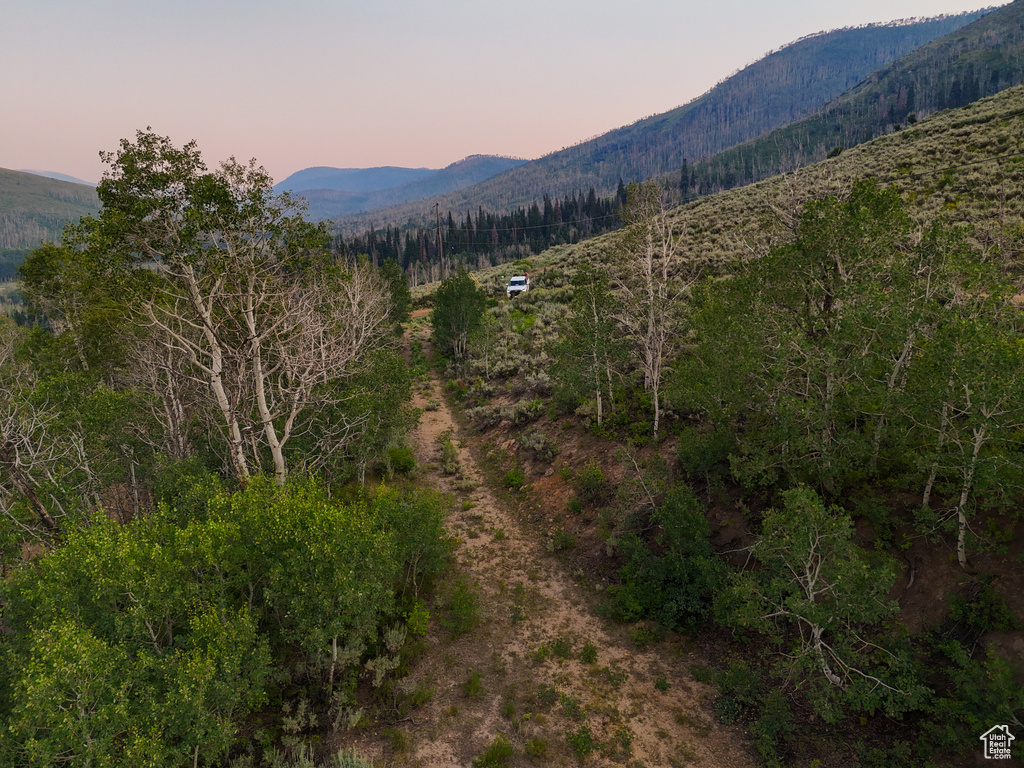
736 481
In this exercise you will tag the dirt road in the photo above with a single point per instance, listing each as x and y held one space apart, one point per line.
540 669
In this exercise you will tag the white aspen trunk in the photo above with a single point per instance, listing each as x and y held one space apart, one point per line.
334 661
890 385
930 484
236 446
611 392
965 491
260 384
267 418
831 676
657 411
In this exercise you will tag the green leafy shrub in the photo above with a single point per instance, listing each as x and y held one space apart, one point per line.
706 454
643 635
463 606
675 586
975 693
537 748
590 483
474 686
773 727
561 540
496 755
561 648
401 460
582 741
266 578
571 707
547 695
449 458
987 612
738 689
588 654
514 479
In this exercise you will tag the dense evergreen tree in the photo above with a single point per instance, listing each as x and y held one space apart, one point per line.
496 238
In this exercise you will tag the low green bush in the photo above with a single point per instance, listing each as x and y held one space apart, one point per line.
401 459
498 754
514 479
184 625
582 741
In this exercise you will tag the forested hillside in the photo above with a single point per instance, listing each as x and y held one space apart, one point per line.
978 60
425 254
783 86
33 209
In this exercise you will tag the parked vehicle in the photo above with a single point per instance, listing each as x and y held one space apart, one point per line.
517 285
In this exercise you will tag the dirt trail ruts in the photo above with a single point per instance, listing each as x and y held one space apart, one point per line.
526 600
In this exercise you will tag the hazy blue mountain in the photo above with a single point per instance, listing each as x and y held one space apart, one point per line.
332 192
350 179
58 176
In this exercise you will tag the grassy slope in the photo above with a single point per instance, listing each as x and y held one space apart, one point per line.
966 164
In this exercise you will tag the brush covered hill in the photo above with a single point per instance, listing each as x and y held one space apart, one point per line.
978 60
776 90
34 208
965 165
334 192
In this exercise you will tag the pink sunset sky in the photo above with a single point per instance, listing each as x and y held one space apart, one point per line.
375 82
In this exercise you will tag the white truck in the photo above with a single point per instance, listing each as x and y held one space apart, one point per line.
517 284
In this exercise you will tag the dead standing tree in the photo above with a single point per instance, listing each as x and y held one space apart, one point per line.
40 471
649 281
226 276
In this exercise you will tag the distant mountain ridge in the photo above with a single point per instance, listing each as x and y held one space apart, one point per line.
57 176
805 76
976 61
350 179
784 86
334 192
